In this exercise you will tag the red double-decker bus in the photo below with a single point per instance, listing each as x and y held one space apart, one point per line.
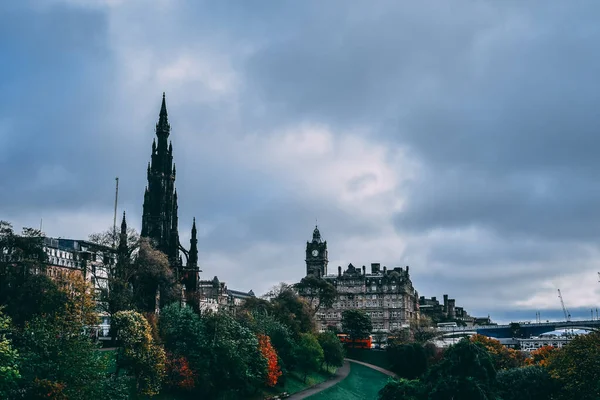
365 343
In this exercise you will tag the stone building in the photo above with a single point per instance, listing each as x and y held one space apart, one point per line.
448 311
215 296
93 261
387 295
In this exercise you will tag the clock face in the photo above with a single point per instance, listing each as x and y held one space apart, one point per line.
315 253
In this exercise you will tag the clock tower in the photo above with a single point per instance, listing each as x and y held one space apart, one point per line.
316 255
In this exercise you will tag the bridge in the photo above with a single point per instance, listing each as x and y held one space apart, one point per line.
515 329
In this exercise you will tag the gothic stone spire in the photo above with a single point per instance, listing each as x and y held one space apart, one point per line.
159 220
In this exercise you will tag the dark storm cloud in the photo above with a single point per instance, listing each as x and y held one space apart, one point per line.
497 102
54 85
502 110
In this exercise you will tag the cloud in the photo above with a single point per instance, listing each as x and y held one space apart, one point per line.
455 138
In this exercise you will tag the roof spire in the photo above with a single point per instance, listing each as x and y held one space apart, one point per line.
193 259
123 224
163 107
163 128
316 235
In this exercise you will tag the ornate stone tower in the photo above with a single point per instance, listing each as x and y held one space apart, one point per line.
159 219
316 255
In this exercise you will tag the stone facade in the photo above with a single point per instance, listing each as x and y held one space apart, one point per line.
388 296
448 311
93 261
215 296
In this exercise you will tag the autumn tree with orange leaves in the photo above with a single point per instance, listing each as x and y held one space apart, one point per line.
179 375
268 352
504 358
540 356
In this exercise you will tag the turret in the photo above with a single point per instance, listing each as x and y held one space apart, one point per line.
123 250
316 235
193 260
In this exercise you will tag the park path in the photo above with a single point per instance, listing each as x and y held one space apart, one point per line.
375 367
339 376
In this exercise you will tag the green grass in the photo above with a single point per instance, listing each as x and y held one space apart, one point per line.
294 382
363 383
375 357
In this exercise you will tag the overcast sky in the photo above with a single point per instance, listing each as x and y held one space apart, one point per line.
460 138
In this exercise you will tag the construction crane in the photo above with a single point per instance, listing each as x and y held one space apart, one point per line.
567 315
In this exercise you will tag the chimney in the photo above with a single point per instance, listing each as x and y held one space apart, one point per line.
375 268
407 270
446 304
364 270
451 308
384 269
339 271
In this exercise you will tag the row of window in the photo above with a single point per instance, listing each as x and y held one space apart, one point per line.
368 303
370 296
62 263
59 253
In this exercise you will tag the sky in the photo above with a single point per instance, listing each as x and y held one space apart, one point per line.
460 138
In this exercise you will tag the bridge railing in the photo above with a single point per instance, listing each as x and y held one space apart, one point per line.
558 324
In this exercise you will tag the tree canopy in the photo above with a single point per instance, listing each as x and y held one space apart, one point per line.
356 323
319 292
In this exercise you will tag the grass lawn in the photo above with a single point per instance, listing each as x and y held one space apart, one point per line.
375 357
294 382
363 383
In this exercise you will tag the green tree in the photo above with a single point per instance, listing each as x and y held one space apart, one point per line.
356 323
293 311
236 364
138 354
526 383
26 297
310 354
22 252
9 357
260 321
403 389
333 351
319 292
422 329
56 357
183 333
408 360
576 367
466 372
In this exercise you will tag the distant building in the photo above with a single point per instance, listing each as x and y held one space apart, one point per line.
387 296
215 296
92 260
440 312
